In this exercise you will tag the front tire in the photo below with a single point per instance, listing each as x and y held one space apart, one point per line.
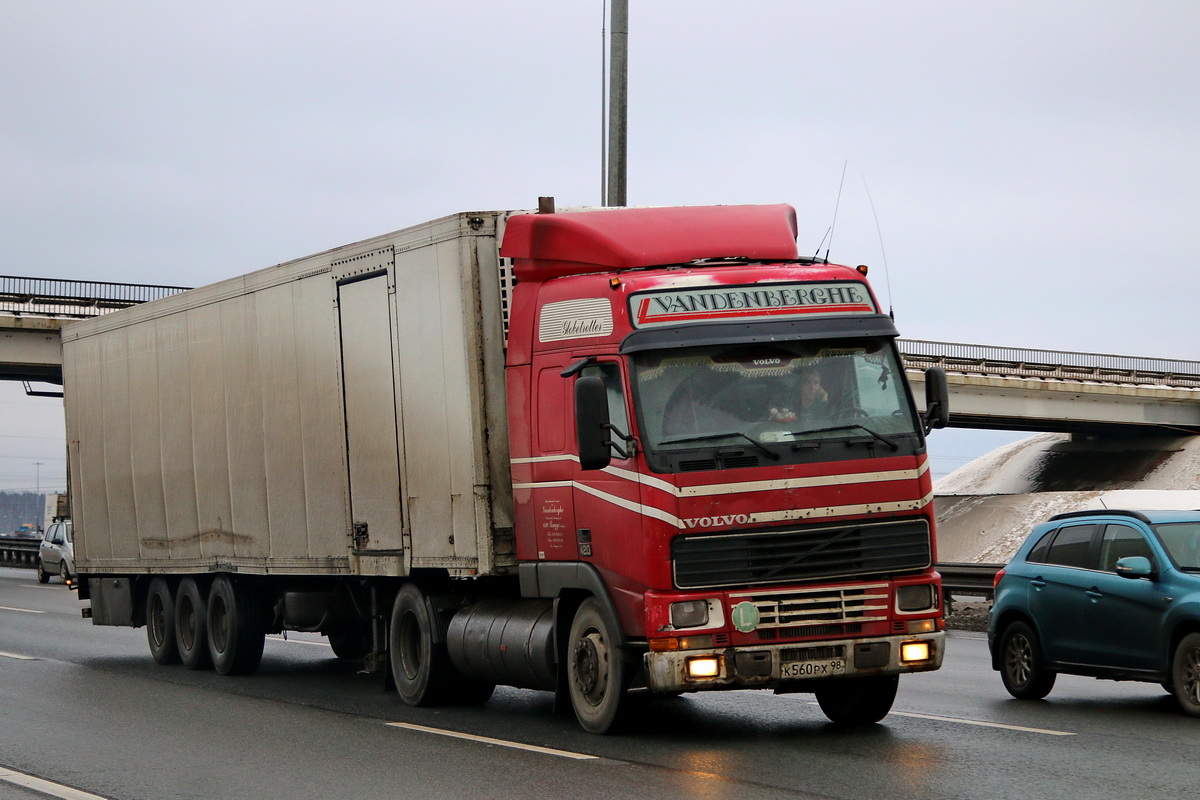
596 672
1185 674
858 701
160 623
236 631
64 574
1021 667
191 625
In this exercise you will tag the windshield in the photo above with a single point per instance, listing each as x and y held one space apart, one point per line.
790 394
1182 540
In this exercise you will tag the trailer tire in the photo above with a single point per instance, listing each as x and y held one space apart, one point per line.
236 630
420 666
160 623
350 643
858 701
596 673
191 625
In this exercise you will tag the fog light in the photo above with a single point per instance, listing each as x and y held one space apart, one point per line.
914 651
689 614
916 598
704 667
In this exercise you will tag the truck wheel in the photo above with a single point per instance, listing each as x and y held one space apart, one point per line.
596 673
419 666
43 576
858 701
191 625
1185 674
236 632
1021 668
160 623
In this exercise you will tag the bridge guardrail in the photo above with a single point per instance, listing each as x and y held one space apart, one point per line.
1059 364
19 552
70 298
972 580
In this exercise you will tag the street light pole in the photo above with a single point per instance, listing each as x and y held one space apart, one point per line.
618 101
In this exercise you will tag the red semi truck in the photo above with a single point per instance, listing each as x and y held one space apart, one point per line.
591 452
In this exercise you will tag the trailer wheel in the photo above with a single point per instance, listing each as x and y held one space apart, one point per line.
420 667
350 643
596 673
160 623
858 701
191 625
236 632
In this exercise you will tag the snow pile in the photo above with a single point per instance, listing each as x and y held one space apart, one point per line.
986 508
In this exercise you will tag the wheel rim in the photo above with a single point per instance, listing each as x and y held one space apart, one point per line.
1018 659
591 667
1190 682
158 621
218 622
187 623
410 645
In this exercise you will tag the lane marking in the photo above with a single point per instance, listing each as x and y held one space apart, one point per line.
44 786
22 610
533 748
18 656
1000 725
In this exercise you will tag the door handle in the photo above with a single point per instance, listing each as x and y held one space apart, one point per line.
1038 583
1094 593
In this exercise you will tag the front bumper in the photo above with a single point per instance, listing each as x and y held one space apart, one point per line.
768 666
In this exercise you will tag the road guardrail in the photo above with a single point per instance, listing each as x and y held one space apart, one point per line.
19 552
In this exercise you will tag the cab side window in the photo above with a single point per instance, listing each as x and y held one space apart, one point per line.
1072 547
1120 541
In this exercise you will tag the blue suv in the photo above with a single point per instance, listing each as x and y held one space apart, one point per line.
1109 594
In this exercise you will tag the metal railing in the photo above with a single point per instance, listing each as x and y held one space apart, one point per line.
56 297
972 580
1055 364
19 552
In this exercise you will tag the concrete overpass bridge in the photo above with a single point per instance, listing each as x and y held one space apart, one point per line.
991 387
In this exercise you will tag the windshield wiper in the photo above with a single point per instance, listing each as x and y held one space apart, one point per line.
704 436
852 426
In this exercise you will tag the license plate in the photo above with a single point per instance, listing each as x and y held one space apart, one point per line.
813 669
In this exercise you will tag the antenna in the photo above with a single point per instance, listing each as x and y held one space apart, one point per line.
604 103
836 206
887 277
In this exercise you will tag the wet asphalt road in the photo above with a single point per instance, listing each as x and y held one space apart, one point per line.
87 709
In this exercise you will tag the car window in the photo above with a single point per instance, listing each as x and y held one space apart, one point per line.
1038 554
1120 541
1072 547
1182 540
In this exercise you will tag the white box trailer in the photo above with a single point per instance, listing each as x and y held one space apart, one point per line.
261 424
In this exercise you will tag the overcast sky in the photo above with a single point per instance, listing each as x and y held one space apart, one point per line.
1033 165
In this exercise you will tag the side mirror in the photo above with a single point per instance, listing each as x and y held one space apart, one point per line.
937 399
1135 567
591 423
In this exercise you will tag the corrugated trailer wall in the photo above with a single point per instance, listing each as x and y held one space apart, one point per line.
210 430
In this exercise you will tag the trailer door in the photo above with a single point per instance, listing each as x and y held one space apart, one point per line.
373 439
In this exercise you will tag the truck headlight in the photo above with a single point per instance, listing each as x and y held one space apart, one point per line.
704 667
916 598
689 614
911 652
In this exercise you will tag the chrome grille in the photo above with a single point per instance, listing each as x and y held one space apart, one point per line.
810 608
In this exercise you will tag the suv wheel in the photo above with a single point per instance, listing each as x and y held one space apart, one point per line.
1021 668
1185 673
